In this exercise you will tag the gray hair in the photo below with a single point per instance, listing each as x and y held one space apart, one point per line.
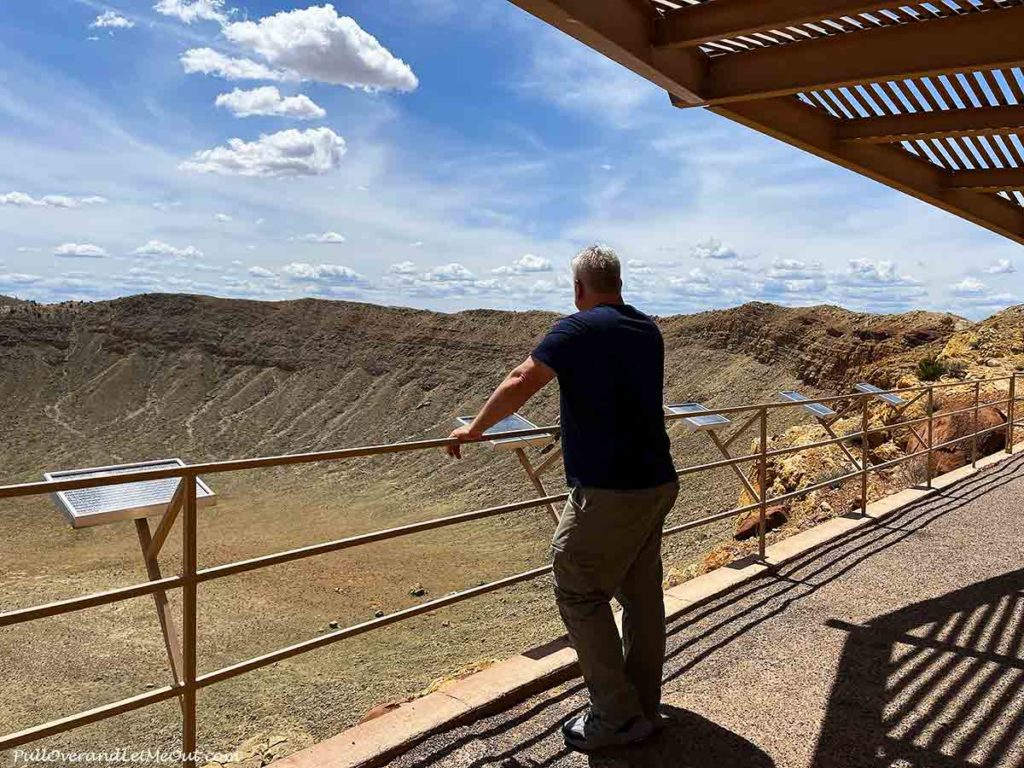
598 268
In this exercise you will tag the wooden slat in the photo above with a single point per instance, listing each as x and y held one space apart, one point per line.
971 41
923 125
732 18
988 179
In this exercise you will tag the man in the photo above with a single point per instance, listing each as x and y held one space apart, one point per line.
609 360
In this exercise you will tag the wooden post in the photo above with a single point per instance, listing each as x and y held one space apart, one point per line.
535 479
931 432
974 437
1010 411
762 481
188 592
723 448
163 607
864 455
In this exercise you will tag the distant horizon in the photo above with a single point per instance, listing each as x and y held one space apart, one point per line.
399 306
173 145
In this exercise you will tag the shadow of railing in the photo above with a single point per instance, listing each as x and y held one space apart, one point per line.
937 683
878 705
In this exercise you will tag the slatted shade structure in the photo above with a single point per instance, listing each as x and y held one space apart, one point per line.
927 98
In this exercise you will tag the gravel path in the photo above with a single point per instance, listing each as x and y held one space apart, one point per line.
899 645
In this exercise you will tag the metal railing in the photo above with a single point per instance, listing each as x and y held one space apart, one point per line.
191 575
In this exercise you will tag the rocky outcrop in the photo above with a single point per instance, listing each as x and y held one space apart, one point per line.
821 345
959 427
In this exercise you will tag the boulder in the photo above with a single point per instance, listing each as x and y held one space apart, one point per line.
946 428
775 517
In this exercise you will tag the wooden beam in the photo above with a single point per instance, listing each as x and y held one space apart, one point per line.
985 121
722 19
814 131
622 31
985 40
988 179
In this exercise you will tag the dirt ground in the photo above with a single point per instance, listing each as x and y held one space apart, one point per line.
62 665
128 380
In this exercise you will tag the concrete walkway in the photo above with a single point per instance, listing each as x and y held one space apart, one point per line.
900 645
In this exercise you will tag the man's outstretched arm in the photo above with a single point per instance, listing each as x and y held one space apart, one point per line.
520 385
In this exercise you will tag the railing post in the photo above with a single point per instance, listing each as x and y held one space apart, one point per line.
974 437
1010 410
762 483
931 427
188 593
864 455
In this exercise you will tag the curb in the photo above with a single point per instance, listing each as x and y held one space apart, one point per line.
508 682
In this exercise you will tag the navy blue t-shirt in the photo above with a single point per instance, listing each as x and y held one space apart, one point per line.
610 362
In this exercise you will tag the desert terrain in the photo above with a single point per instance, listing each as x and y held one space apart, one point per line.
156 376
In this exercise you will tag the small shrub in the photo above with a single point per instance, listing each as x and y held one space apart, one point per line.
930 369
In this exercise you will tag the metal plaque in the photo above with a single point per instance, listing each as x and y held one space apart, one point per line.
818 410
697 422
86 507
881 394
513 423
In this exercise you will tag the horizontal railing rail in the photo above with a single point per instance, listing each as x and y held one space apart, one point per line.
858 404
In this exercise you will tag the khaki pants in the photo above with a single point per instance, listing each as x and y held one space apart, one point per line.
608 544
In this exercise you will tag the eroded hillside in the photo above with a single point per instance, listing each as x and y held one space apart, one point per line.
150 375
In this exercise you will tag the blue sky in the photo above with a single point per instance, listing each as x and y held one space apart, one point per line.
436 153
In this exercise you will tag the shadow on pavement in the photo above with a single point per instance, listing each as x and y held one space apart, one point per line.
938 683
859 729
687 741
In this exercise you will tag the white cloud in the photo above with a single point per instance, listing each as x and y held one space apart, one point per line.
288 153
713 249
268 101
402 268
111 20
870 274
525 264
260 272
79 250
794 269
316 44
207 61
223 218
17 279
638 267
193 10
158 248
1001 267
49 201
696 283
325 238
324 274
969 286
449 273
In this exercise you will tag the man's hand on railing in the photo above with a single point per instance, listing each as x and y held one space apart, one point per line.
462 434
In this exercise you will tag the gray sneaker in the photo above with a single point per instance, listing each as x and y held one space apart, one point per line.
588 732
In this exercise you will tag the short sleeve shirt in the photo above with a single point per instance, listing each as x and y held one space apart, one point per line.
610 362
